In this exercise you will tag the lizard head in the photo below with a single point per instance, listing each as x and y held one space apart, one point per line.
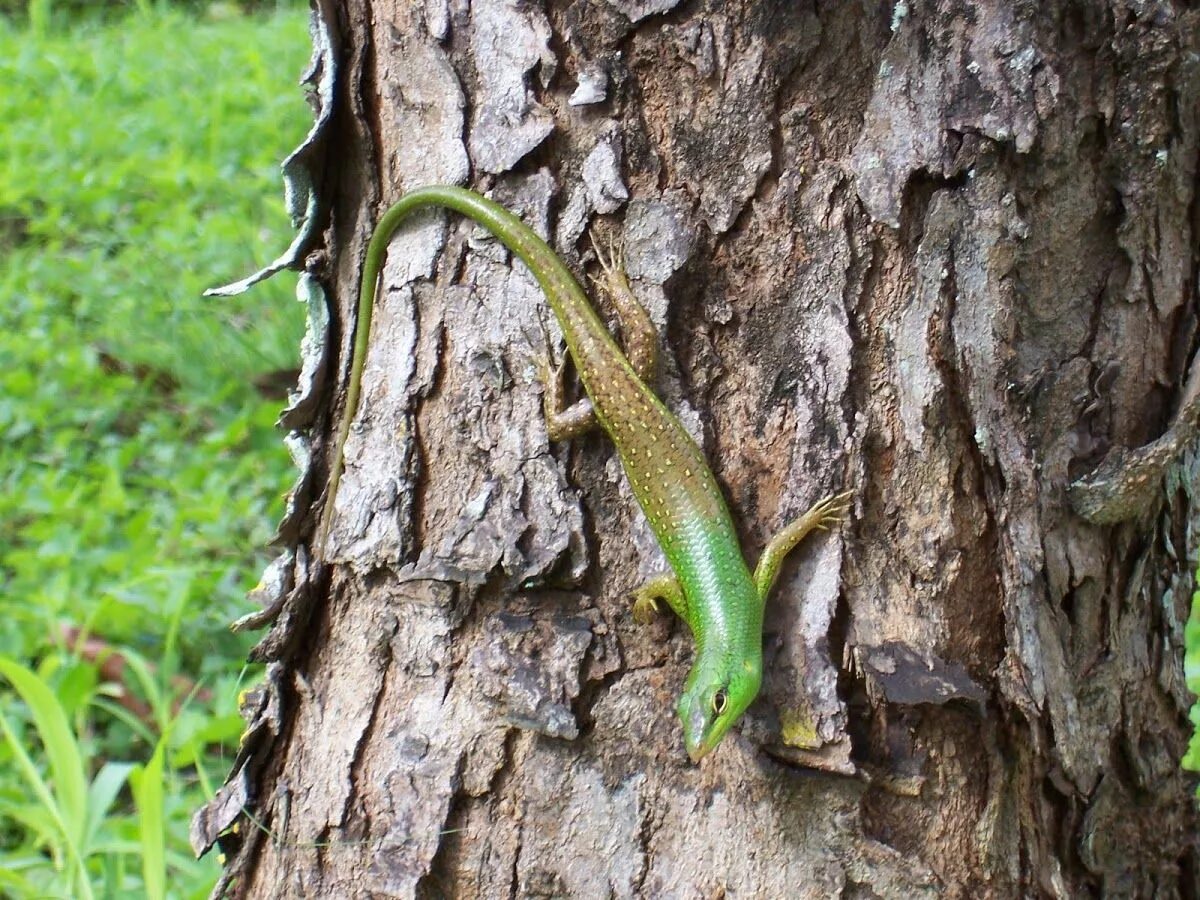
717 692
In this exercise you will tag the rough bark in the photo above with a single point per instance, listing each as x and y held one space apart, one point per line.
940 253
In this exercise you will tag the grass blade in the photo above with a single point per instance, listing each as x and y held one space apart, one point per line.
147 784
66 766
101 795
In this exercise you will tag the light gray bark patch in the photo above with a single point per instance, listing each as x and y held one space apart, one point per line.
576 804
439 726
636 10
782 836
572 221
371 522
422 97
529 197
425 725
971 78
592 86
437 18
602 190
635 717
514 511
789 832
372 506
699 45
530 666
508 39
902 134
918 383
1000 59
602 175
659 236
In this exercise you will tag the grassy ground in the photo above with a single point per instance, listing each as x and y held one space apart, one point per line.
139 469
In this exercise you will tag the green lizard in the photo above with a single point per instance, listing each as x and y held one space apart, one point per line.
710 586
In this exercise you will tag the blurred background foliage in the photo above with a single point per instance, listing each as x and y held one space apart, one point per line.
140 471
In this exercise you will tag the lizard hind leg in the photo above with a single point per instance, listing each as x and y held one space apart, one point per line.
637 328
824 514
641 349
561 424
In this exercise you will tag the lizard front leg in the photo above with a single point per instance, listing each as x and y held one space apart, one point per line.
662 587
825 513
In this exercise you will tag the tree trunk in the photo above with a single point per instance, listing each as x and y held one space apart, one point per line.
942 255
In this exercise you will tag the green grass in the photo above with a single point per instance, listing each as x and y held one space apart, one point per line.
140 473
1191 670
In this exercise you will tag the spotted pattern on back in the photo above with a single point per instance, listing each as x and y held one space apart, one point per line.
670 478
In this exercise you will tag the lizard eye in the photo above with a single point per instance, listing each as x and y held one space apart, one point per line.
719 701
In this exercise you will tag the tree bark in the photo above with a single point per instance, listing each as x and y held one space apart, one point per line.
941 254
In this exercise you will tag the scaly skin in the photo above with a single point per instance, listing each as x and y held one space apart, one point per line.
710 587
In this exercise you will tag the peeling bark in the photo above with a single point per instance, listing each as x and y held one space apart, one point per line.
943 254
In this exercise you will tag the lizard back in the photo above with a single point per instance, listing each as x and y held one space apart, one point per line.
670 478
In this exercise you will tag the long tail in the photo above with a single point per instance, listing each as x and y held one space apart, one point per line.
563 292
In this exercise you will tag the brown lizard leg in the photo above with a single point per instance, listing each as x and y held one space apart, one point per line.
641 349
